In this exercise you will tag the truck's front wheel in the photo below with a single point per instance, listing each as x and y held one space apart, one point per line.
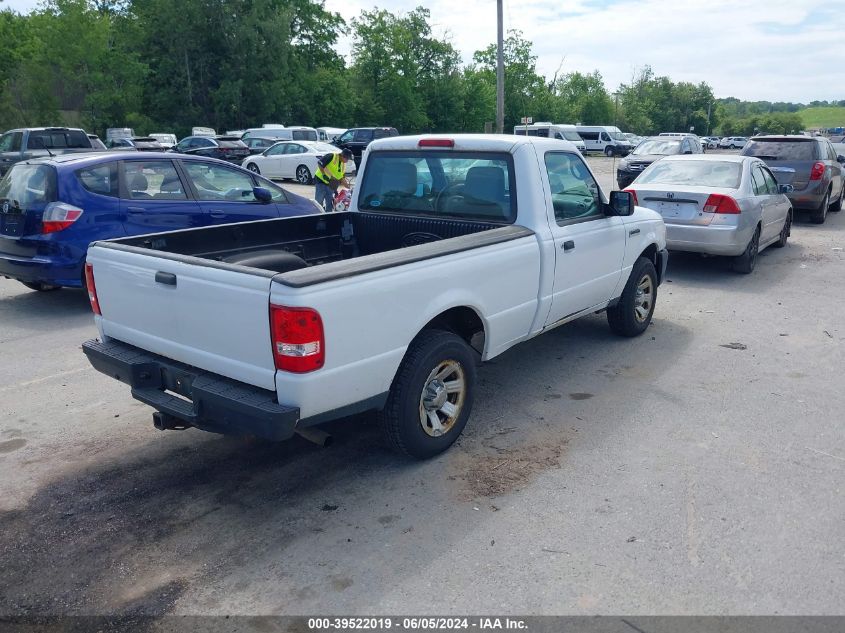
431 396
631 316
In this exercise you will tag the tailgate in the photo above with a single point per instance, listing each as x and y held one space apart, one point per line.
210 318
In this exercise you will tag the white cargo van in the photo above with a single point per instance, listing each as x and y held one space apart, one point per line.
560 131
607 139
203 131
292 133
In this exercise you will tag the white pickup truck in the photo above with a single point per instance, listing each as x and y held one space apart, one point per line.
455 249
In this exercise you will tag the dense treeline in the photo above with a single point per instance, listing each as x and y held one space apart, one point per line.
159 65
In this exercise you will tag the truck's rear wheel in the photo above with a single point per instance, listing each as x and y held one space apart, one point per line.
631 316
431 396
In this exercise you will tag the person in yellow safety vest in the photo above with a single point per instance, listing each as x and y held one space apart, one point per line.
331 174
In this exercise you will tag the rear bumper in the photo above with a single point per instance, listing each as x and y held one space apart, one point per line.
711 240
809 198
55 271
208 401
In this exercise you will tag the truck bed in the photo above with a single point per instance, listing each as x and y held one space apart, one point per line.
306 250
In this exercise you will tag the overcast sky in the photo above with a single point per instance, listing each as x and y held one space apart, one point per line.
778 50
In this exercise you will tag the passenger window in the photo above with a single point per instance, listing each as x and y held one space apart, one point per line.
101 179
346 137
10 142
363 136
605 137
218 183
277 149
152 180
771 183
575 194
758 183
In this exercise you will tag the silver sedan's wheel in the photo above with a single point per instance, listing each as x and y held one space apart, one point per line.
442 398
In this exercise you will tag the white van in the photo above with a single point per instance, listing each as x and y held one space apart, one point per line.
119 132
203 131
607 139
293 133
328 134
544 129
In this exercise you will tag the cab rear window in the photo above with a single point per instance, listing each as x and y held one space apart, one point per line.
58 139
25 186
472 185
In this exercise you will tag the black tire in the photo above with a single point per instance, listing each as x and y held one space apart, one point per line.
837 206
746 262
303 175
415 384
253 168
820 214
40 286
608 151
626 318
785 231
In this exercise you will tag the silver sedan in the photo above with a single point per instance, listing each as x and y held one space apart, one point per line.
718 205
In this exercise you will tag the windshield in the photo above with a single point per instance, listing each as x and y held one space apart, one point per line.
447 184
781 150
572 135
703 173
304 135
25 186
659 147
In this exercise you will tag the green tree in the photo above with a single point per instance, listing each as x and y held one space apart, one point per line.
404 76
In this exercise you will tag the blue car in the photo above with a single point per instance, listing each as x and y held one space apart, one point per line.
51 209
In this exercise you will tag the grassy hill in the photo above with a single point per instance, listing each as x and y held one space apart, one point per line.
832 116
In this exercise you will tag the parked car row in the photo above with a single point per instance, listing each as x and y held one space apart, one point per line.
734 205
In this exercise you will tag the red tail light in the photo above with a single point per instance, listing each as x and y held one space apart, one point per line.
717 203
299 345
92 289
633 195
436 142
58 216
817 172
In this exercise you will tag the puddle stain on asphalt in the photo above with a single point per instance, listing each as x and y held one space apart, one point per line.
10 446
580 396
509 470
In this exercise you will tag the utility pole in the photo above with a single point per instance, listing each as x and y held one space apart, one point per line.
500 70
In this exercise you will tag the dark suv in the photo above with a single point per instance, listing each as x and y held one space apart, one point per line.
356 139
653 149
23 143
230 148
810 164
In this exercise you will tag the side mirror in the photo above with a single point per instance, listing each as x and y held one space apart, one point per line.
621 203
840 159
689 151
785 188
262 194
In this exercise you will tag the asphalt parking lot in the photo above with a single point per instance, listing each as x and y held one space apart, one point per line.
697 469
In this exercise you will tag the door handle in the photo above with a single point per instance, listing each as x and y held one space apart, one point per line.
634 232
169 279
134 209
217 214
568 245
